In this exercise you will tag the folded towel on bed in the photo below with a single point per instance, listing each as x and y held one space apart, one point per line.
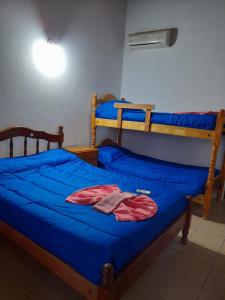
92 195
110 202
136 208
110 199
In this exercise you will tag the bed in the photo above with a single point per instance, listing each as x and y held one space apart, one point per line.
107 111
190 180
92 252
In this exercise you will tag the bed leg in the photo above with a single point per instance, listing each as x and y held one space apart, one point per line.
105 294
185 230
106 291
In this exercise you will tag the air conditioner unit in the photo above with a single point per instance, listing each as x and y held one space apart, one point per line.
150 39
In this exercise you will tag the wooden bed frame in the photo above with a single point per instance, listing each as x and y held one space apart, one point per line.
112 287
214 183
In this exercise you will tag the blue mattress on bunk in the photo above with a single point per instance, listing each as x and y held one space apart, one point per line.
107 111
190 180
32 200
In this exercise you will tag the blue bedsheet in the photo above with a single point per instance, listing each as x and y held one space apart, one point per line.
187 179
107 111
32 200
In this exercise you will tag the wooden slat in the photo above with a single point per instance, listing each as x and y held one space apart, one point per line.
134 106
37 146
119 126
158 128
147 119
25 146
11 147
119 118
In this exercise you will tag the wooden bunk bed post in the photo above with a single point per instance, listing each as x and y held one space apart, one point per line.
119 125
213 158
221 181
93 124
61 136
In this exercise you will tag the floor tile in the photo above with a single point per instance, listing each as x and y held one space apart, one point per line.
195 222
172 286
212 228
190 268
199 252
9 292
141 293
210 241
175 245
207 295
158 267
216 282
220 262
222 249
31 278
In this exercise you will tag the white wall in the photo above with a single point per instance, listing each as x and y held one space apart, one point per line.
188 76
92 34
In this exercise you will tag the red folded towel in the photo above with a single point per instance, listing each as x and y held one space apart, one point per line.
137 208
110 199
92 195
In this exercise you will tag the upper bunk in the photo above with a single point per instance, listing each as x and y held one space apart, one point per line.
110 112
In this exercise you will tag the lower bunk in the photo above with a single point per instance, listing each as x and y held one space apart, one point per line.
188 179
93 252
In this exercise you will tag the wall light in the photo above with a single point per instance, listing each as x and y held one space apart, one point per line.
49 58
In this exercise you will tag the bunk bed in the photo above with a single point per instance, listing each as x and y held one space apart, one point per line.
61 236
107 111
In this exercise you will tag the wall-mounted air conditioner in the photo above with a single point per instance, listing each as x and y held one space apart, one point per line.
152 39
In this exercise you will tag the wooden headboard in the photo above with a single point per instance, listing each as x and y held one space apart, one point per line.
97 100
18 131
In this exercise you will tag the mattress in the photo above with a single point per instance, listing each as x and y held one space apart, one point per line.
107 111
32 200
190 180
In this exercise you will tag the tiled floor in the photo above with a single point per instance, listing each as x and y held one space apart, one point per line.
192 272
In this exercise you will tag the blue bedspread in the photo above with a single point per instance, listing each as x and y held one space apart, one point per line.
187 179
107 111
32 200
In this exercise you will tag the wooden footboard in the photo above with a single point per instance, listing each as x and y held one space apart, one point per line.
112 288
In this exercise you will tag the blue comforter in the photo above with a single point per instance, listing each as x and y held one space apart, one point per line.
32 200
190 180
107 111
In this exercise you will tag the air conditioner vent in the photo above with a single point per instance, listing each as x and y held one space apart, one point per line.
151 39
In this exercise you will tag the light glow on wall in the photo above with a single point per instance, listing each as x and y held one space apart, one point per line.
49 58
